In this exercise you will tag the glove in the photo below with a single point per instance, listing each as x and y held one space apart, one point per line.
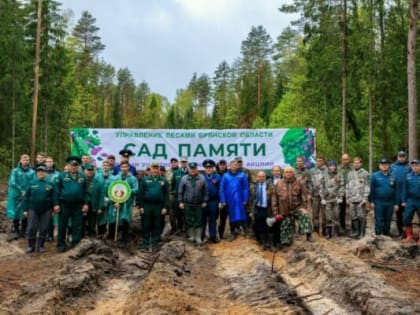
339 200
323 202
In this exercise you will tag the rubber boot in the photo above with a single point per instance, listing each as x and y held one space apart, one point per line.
355 228
41 248
15 234
409 233
309 237
23 228
334 232
31 247
190 234
327 232
197 235
362 227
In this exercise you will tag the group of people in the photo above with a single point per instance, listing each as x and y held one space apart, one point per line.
198 204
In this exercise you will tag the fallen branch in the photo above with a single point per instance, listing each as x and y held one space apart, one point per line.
380 266
316 299
309 295
297 285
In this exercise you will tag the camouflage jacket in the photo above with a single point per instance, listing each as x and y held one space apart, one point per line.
332 187
357 187
316 179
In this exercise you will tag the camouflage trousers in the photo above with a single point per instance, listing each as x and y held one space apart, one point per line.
332 213
357 211
287 226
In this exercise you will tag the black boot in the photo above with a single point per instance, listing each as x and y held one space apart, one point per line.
31 247
363 227
41 248
23 228
15 232
309 237
355 228
327 232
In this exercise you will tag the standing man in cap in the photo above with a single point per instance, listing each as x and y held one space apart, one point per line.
52 175
125 157
318 210
211 211
411 200
234 192
193 196
172 194
125 209
399 171
221 169
289 200
343 170
93 191
332 192
383 197
73 199
40 199
357 192
19 181
176 178
153 201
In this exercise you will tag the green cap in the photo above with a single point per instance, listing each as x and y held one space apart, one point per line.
192 165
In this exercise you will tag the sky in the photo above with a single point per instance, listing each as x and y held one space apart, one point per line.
164 42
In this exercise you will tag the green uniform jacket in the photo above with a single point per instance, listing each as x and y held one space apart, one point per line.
154 190
72 189
41 196
19 181
126 208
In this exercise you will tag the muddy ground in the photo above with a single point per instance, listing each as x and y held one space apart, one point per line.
341 276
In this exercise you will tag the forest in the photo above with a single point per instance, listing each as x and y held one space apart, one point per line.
294 80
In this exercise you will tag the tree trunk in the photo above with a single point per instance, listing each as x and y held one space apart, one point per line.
411 81
370 90
344 80
36 80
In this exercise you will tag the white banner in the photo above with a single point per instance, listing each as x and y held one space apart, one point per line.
259 148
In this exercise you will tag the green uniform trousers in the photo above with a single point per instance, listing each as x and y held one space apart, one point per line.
73 211
193 215
151 224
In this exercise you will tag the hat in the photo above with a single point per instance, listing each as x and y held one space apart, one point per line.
401 153
74 160
192 165
183 159
415 161
126 152
238 159
41 167
383 161
222 161
332 163
209 163
174 159
154 164
89 167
